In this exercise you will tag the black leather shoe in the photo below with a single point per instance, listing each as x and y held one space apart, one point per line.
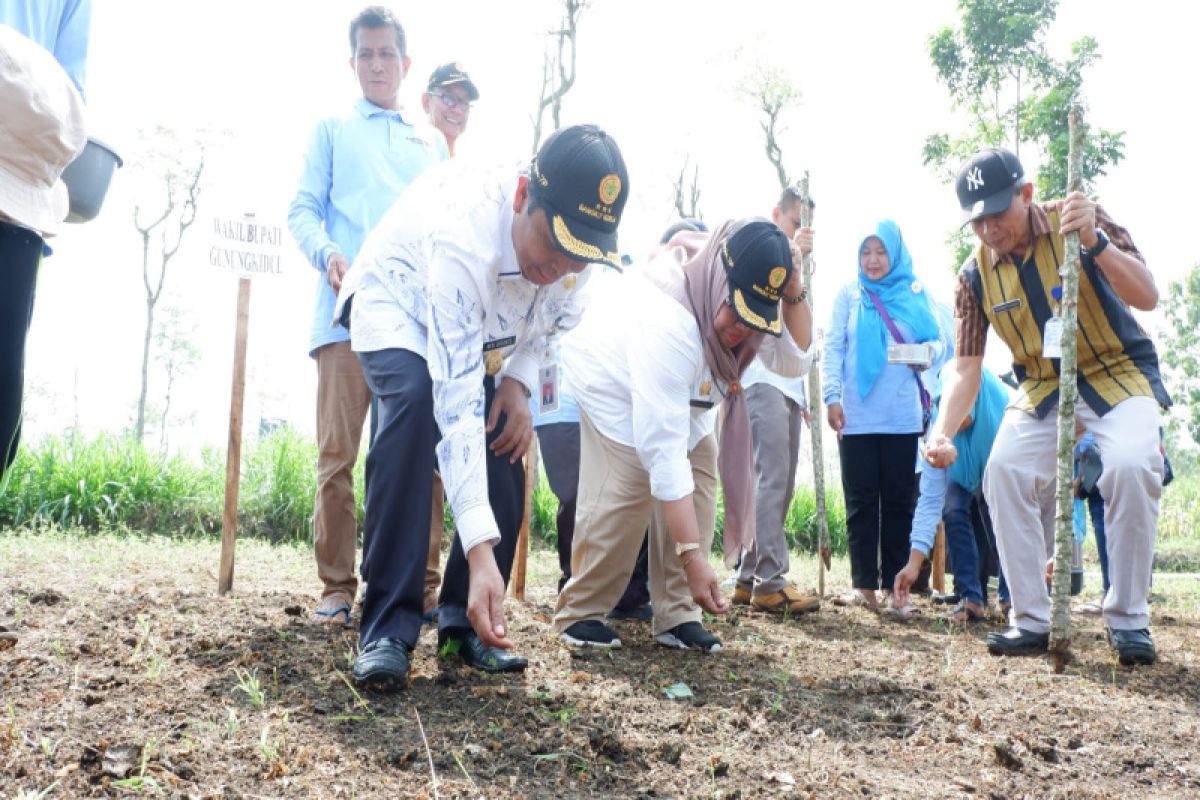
1017 642
468 646
382 664
1133 647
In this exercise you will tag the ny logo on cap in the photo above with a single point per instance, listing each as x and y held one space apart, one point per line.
975 178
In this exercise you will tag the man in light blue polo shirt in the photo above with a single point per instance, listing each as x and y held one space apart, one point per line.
60 26
357 164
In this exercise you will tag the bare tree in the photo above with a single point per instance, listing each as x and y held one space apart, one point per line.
774 94
558 68
179 170
177 354
691 206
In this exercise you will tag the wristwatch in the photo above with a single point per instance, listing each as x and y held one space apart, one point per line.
1101 243
680 549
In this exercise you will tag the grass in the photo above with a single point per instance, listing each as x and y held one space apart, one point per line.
113 484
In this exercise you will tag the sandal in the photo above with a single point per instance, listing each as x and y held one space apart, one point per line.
332 610
963 614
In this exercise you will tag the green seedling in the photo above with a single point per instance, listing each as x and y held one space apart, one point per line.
249 685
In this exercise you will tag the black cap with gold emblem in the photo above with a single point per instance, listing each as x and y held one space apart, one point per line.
758 264
450 74
579 177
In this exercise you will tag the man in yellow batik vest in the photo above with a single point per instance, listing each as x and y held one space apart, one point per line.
1012 284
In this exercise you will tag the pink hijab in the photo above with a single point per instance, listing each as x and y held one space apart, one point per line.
704 290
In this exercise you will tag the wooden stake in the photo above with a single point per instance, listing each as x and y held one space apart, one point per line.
937 573
814 413
233 453
521 557
1068 392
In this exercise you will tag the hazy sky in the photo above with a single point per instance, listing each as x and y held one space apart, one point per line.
658 75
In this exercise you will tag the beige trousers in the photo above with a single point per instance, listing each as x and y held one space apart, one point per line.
612 512
1019 484
342 403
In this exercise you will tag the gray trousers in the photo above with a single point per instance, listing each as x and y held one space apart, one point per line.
1019 484
775 424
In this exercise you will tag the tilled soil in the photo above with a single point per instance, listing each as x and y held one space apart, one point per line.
122 673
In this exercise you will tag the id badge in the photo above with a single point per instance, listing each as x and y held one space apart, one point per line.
548 381
1052 338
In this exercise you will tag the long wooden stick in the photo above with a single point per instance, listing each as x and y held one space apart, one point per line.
814 411
233 453
521 559
1060 611
937 570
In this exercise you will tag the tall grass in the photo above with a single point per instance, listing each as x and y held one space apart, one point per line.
111 482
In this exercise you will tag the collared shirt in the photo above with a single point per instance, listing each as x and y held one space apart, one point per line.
792 388
356 167
636 365
1116 359
60 26
894 403
439 277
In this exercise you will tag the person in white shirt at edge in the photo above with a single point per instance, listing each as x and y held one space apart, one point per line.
778 409
450 306
649 364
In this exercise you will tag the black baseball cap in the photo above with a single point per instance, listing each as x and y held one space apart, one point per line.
985 183
579 177
758 264
450 74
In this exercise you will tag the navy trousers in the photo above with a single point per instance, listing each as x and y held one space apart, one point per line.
20 255
399 479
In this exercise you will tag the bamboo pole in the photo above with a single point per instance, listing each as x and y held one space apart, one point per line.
521 559
1060 607
814 411
233 453
937 570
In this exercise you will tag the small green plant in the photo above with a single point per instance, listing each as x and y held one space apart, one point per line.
249 685
154 666
35 794
269 750
232 724
141 782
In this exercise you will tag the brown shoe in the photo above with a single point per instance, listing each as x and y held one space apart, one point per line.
789 600
741 596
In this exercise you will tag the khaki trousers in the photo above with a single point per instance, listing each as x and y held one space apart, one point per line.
342 403
1019 484
613 510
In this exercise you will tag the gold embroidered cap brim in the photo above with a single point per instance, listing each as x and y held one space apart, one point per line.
754 319
579 249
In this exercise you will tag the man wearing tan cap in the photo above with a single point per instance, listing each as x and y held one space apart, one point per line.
42 132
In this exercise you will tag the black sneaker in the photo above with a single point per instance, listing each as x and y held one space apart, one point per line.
689 636
590 633
382 664
1133 647
643 613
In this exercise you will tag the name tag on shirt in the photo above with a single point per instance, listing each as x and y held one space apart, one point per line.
496 344
1052 338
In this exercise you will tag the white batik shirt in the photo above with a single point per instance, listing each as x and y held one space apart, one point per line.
439 277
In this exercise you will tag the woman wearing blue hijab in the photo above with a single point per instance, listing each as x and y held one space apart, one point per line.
876 406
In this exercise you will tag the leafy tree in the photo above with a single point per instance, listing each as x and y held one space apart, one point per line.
1181 353
770 89
997 69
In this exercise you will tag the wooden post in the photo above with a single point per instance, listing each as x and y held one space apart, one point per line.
1068 392
233 454
814 412
521 557
937 558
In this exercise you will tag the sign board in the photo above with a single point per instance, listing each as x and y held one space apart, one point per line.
245 245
